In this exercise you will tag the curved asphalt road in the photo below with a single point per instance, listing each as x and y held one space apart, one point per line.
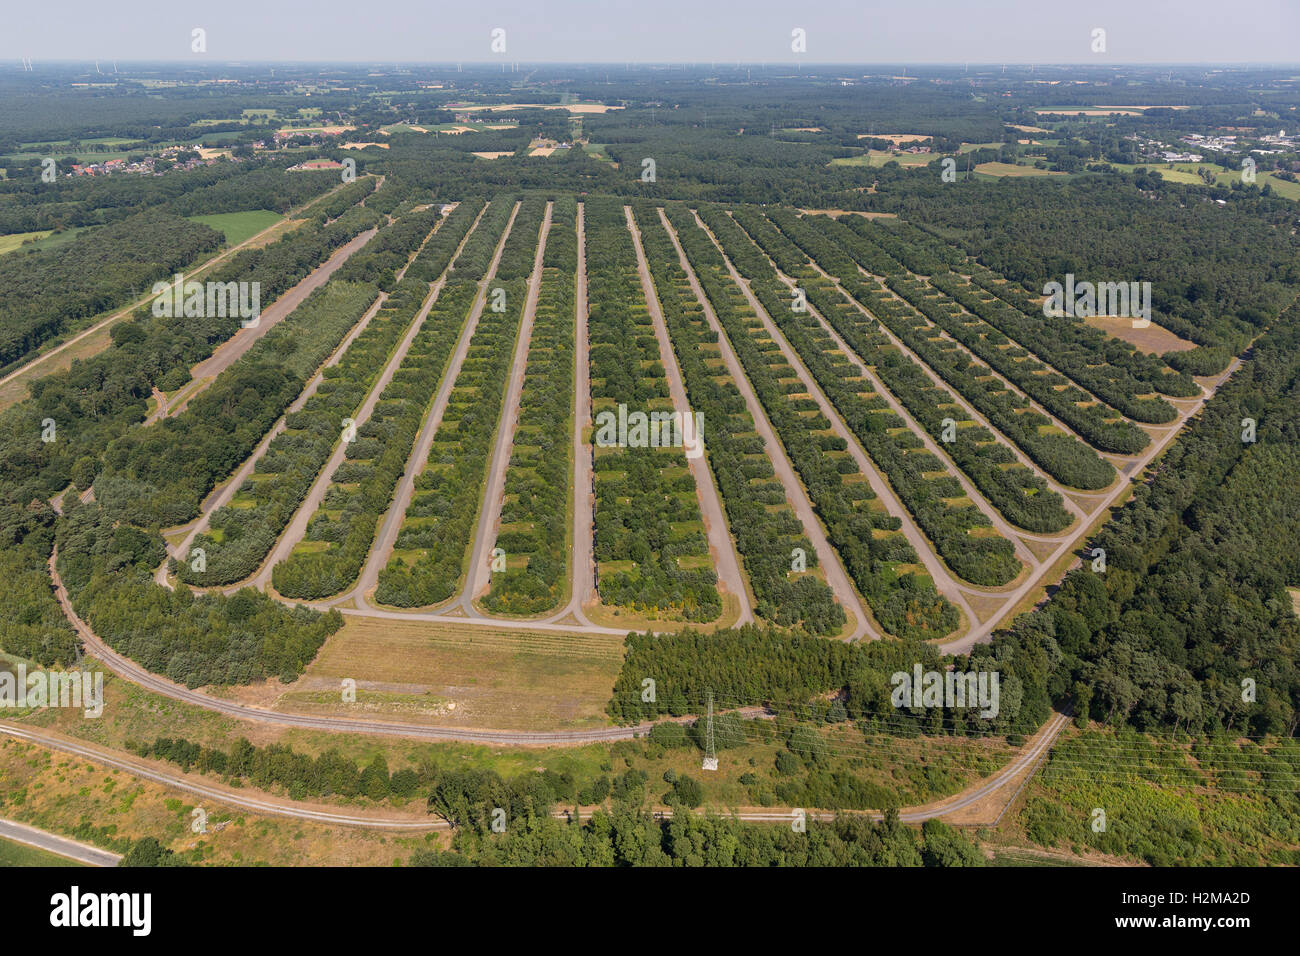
136 674
282 807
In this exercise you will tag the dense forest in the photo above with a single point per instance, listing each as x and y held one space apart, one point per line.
1021 497
1189 627
629 838
922 481
111 546
1194 597
342 530
99 399
46 293
1218 274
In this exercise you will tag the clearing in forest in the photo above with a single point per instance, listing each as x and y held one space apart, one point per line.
1154 339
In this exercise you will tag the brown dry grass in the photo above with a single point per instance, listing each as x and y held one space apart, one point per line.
1155 339
56 792
897 138
850 212
495 678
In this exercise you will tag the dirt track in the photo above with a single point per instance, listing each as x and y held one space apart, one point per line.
232 486
125 311
258 802
302 517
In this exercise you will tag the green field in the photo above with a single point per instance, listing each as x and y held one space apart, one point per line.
83 156
55 239
878 157
59 144
597 151
20 854
1012 169
1187 173
239 226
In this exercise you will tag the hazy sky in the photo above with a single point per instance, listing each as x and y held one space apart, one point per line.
866 31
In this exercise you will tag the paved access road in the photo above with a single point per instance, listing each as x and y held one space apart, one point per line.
52 843
128 669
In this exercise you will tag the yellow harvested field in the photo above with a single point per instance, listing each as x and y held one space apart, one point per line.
364 145
494 155
896 138
1091 112
542 151
1104 111
1028 129
849 212
572 107
323 130
1155 339
15 240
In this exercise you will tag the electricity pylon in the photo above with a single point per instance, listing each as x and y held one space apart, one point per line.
710 751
